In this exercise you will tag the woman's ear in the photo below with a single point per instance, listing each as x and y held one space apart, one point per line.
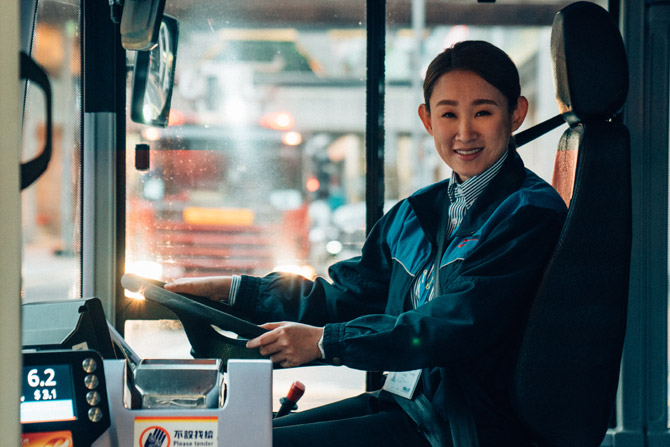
519 114
424 114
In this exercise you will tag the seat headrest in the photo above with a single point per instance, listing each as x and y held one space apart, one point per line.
590 65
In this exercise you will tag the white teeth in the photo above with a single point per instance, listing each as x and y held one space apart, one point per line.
469 152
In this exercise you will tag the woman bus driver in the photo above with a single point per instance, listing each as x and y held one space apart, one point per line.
381 313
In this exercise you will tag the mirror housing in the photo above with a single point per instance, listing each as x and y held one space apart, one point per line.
140 24
153 77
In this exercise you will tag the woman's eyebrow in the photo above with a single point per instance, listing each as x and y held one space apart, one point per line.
476 102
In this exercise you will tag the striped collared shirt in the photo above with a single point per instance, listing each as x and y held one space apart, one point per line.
461 198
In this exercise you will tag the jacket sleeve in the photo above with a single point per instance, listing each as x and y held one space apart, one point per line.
482 303
358 286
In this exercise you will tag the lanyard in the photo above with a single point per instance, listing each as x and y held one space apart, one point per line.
441 236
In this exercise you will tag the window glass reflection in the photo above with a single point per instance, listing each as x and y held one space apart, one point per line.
262 167
51 207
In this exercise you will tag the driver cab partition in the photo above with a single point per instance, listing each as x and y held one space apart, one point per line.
67 324
84 385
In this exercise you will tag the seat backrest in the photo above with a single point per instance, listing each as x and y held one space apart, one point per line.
567 371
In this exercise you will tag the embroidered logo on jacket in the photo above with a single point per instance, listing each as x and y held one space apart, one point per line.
466 240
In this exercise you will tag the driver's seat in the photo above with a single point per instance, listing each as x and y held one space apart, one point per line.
567 371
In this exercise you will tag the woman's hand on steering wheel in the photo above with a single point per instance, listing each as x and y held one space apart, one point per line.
289 344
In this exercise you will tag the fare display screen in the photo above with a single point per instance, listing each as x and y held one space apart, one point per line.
47 394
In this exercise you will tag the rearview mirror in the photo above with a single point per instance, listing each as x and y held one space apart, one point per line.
153 77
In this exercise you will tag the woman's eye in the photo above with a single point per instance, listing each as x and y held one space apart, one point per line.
483 113
448 115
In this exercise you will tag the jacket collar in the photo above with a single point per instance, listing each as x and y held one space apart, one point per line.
427 202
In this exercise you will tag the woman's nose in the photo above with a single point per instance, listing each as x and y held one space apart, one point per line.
466 131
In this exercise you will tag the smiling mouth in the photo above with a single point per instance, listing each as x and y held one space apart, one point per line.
468 151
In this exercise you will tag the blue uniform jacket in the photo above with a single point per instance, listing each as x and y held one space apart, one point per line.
489 271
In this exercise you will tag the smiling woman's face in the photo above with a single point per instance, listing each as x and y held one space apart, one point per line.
470 122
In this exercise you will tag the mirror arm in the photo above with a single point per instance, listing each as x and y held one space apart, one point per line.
115 10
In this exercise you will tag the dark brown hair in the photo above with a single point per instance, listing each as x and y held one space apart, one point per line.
488 61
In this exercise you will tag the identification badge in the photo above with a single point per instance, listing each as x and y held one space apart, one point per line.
402 383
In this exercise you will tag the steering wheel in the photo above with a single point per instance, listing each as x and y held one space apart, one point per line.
201 318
